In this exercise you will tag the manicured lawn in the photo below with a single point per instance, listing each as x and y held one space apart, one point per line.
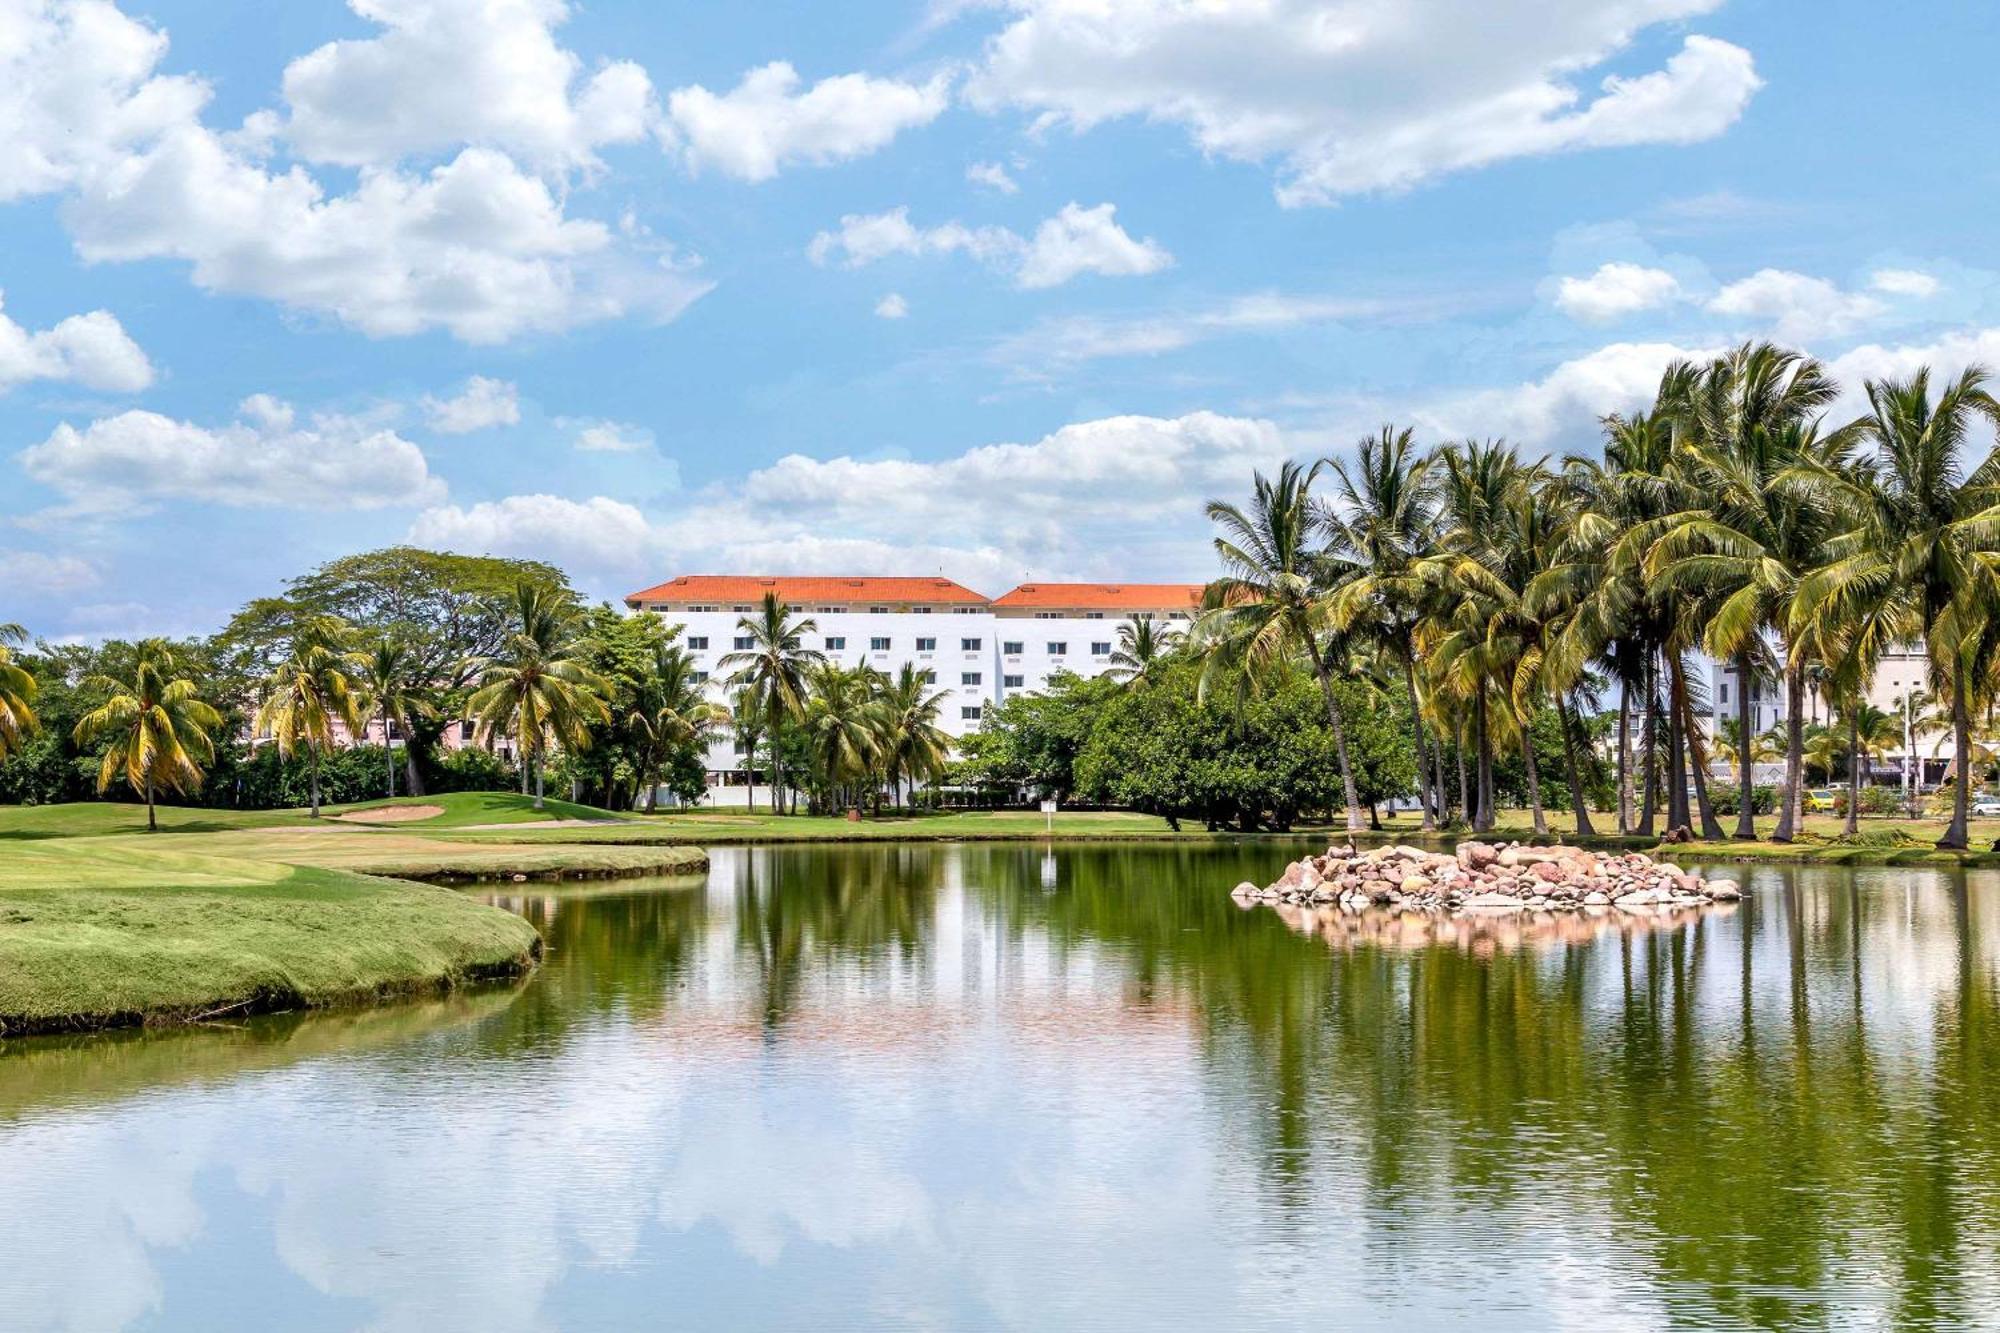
719 828
85 819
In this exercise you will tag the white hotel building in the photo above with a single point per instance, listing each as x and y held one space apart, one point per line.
981 650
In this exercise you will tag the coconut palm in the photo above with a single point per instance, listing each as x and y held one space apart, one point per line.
1764 745
1746 425
158 727
538 687
912 745
17 694
842 721
1381 526
774 667
1270 608
313 694
1925 539
677 712
1142 645
391 693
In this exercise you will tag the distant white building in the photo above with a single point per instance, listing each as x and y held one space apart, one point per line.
1899 687
981 650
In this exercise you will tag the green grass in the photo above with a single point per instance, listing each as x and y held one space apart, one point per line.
462 808
714 828
92 819
100 933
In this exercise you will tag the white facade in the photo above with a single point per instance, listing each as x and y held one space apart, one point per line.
1899 687
979 651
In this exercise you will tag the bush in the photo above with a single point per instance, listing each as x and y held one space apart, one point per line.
1881 800
472 770
1727 799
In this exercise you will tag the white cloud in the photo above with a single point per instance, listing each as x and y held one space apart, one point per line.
1904 282
36 573
475 245
481 404
1562 408
598 535
766 123
991 175
1075 241
1796 307
446 72
1087 240
1075 339
1947 356
1308 82
612 437
263 459
92 350
1616 290
892 306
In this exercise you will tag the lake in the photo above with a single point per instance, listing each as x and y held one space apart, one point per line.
990 1086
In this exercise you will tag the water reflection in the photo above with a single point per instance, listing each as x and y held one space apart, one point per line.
992 1086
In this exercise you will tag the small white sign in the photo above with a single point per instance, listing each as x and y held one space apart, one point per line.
1048 807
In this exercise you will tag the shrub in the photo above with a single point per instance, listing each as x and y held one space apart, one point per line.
1727 799
1881 800
472 770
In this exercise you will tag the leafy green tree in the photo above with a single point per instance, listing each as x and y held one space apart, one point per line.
842 722
538 687
774 668
389 692
160 732
678 720
912 747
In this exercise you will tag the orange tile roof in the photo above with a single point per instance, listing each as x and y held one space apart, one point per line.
1103 596
807 591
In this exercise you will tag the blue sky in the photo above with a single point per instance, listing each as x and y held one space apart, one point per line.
1001 289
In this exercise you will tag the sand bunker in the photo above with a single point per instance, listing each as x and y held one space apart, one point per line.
392 814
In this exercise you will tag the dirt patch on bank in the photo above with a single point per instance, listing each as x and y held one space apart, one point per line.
392 814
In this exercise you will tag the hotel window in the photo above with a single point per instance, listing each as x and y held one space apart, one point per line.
836 643
465 730
744 642
1093 615
1100 650
1011 647
878 610
698 642
968 677
1014 682
739 610
1725 691
926 645
1057 647
826 610
1048 615
970 645
704 608
930 677
878 645
970 713
920 610
701 678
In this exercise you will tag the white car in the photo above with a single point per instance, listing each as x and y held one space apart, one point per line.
1986 805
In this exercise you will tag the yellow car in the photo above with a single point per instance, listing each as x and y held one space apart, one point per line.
1822 802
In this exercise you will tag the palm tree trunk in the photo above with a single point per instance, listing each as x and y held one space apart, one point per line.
152 819
1464 788
1624 759
538 777
1534 777
1482 775
1677 780
1961 745
1417 730
1793 796
1698 758
1439 789
1578 808
389 758
312 770
1348 791
1746 782
1649 726
1853 768
521 755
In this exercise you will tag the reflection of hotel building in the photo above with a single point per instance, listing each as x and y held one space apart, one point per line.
980 650
1902 675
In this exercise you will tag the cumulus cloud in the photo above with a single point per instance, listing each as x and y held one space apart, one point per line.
1075 241
1302 82
481 404
92 350
1616 290
475 245
446 72
1562 408
612 437
1073 340
31 573
892 306
1794 306
766 122
1904 282
263 459
597 535
991 175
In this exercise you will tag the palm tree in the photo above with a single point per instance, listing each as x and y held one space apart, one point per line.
313 693
1382 525
774 667
1924 543
1764 745
538 686
1142 645
843 724
391 694
159 728
679 712
1269 608
912 744
746 719
1746 426
17 694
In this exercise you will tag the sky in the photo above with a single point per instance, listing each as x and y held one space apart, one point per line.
999 289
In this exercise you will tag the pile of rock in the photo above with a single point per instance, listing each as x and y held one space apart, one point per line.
1483 877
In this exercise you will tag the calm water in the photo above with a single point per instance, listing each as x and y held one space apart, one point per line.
986 1087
